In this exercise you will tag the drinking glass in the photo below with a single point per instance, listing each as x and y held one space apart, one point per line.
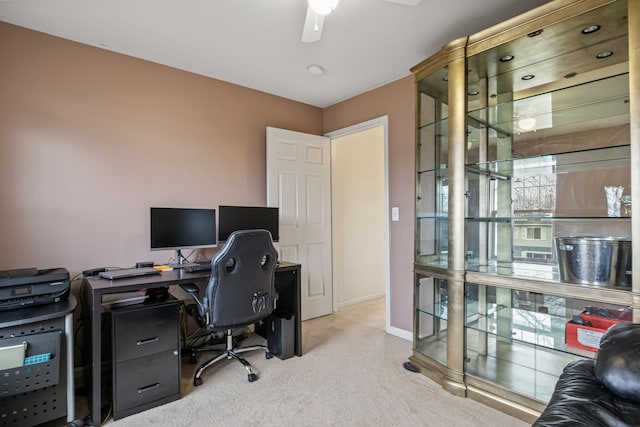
613 193
626 202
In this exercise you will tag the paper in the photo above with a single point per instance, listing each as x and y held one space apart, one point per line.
12 356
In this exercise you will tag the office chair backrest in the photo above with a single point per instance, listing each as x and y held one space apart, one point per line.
241 288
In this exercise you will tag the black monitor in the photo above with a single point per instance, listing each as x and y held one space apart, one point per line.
234 218
182 228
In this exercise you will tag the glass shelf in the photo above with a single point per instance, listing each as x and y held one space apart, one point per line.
530 270
548 218
433 261
568 108
546 164
540 329
438 311
524 368
439 172
434 216
440 127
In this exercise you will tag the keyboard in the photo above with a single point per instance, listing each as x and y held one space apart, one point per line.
198 266
128 272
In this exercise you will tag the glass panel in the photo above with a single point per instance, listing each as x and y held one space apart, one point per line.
432 313
522 340
432 183
432 220
519 210
561 120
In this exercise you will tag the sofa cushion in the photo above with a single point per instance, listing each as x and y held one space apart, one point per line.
617 363
580 400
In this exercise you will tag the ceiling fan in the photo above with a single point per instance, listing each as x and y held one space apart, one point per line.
318 9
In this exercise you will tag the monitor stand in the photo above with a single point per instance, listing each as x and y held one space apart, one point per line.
180 260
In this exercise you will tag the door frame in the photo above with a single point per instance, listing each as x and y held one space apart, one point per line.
370 124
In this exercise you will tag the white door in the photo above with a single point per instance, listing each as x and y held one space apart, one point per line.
299 183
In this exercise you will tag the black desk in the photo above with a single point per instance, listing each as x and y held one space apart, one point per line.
287 283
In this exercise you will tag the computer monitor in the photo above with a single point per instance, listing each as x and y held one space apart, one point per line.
234 218
182 228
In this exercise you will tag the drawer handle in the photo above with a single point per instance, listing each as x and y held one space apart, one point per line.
148 341
148 388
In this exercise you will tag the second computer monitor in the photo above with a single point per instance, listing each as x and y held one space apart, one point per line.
233 218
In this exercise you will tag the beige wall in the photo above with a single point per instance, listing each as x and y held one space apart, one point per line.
90 139
397 101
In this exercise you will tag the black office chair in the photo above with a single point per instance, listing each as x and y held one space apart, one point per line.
240 292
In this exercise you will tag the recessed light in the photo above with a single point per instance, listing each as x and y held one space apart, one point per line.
315 70
570 75
445 79
590 29
506 58
603 55
528 77
534 33
473 93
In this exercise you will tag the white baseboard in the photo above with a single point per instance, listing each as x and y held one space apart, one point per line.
400 333
361 299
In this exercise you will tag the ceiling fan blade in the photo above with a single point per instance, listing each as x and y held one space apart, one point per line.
312 29
405 2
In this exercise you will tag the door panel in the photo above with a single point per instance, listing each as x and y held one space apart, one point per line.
299 183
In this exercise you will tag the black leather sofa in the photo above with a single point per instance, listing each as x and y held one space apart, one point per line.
600 392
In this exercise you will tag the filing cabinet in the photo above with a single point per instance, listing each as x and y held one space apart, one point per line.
146 356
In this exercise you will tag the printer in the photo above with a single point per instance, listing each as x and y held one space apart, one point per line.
29 286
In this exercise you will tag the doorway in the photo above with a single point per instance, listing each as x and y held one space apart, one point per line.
364 271
360 214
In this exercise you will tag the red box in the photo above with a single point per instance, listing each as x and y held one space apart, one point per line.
588 337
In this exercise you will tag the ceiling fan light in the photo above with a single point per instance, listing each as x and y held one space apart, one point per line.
323 7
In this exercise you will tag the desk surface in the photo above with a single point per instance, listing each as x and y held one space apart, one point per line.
176 277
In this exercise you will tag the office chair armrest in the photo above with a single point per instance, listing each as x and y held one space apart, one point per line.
193 290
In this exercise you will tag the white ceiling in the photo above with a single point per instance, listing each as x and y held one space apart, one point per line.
257 43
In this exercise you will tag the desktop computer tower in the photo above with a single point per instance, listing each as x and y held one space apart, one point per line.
280 333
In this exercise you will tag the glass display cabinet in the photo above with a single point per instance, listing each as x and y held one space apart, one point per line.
526 134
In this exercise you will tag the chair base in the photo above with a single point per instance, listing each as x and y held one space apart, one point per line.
232 353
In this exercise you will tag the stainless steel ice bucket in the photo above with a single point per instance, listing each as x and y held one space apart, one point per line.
599 261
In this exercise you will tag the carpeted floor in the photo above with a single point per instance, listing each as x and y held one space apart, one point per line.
350 374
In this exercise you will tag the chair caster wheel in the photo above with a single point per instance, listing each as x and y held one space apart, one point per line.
252 377
192 359
268 355
197 381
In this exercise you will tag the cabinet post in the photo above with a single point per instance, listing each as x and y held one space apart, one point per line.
634 127
456 161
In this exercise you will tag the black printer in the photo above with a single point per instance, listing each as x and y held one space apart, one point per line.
29 286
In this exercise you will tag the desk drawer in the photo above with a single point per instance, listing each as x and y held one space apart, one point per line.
141 382
145 330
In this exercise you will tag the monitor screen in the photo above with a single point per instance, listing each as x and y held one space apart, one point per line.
182 228
234 218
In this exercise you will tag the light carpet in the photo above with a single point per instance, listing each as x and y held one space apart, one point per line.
350 374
